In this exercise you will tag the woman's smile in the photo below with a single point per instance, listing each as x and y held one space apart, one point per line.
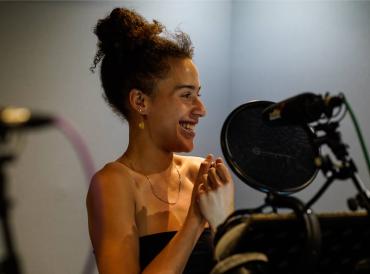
188 128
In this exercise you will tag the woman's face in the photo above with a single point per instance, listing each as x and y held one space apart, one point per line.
176 107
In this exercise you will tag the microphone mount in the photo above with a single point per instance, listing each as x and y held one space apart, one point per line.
342 168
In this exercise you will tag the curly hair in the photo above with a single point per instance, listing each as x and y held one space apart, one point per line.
134 54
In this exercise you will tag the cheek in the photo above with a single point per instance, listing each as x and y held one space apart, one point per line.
164 121
172 111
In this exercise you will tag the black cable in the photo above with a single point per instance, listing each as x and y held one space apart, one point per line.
319 193
359 133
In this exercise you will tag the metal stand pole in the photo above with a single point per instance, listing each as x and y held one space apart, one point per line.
10 264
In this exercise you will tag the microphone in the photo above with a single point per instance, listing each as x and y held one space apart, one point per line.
14 118
303 108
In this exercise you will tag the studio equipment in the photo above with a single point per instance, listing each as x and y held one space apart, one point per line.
18 120
276 148
13 119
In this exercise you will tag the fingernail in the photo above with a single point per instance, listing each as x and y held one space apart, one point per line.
209 156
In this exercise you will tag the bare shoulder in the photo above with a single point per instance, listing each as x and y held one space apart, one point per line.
111 201
111 177
111 185
189 164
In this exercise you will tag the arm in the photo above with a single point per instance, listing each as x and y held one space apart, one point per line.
111 210
111 213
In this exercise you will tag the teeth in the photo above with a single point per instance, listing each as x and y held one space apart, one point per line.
188 126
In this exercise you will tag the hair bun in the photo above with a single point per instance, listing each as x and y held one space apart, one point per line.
125 30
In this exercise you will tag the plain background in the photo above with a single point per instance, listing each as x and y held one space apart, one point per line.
245 50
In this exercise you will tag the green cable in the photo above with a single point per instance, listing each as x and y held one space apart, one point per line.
358 131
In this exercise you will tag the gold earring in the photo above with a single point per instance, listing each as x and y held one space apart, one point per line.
141 125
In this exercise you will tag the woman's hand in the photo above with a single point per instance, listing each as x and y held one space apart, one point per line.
194 210
216 194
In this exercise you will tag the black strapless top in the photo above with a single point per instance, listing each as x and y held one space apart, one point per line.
200 260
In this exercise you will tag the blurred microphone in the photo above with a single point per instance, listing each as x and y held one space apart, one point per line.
303 108
14 118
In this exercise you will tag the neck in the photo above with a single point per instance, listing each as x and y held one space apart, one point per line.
144 156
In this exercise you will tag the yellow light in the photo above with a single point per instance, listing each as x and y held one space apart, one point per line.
14 115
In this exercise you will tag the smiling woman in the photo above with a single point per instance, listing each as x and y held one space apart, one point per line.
143 208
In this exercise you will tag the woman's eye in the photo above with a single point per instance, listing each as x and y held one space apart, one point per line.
190 95
187 95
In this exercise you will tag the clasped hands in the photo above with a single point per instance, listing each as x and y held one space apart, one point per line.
215 193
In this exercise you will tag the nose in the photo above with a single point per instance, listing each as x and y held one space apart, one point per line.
199 109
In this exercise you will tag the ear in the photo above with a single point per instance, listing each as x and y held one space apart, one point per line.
139 101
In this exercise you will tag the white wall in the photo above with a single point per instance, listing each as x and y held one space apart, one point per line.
46 50
244 50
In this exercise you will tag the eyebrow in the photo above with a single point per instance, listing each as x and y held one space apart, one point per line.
177 87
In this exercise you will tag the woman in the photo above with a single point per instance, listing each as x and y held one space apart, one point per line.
148 209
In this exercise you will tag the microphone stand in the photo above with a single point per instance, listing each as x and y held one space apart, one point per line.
10 264
345 169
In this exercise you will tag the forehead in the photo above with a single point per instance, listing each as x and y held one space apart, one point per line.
182 67
182 72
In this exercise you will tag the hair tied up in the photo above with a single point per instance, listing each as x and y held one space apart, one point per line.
123 33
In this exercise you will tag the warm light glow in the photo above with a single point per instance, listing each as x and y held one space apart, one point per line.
14 115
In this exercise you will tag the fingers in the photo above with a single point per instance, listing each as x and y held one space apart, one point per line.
218 160
218 174
212 174
200 185
222 171
203 186
203 169
213 180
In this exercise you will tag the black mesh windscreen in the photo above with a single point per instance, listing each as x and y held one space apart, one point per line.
268 156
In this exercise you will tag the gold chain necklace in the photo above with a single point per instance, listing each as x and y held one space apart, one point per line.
159 198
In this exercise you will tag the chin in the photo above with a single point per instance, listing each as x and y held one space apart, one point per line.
190 149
